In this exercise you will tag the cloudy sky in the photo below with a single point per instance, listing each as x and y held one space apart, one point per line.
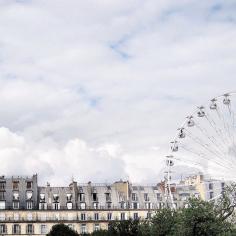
96 89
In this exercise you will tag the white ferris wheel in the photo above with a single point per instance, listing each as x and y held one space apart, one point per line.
205 142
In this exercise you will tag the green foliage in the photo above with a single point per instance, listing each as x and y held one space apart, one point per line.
164 222
101 233
62 230
125 228
201 219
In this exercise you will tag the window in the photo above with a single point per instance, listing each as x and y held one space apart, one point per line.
2 186
42 206
29 205
29 229
16 216
2 195
2 205
81 197
29 195
159 197
149 215
70 216
71 226
108 197
57 216
148 205
122 216
134 197
222 185
29 185
210 186
161 205
146 198
44 229
15 196
15 185
94 197
135 205
2 216
83 216
42 197
69 205
83 228
135 216
123 205
43 217
29 217
68 197
211 195
16 205
16 229
55 197
108 204
96 227
83 205
3 229
109 216
96 216
95 205
56 206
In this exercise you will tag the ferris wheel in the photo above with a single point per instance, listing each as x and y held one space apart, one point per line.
205 142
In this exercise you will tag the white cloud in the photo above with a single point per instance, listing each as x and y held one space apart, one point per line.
108 79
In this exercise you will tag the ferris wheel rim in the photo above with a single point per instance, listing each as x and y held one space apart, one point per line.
171 156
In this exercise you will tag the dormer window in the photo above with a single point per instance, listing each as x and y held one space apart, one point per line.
29 184
42 197
146 198
81 197
68 197
29 195
55 197
108 197
2 186
94 197
15 196
134 197
94 190
15 185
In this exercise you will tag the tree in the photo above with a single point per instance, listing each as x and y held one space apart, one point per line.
62 230
101 232
125 228
164 222
201 218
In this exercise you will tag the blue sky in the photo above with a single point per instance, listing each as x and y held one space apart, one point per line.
93 84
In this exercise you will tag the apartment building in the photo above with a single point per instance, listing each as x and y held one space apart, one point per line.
29 209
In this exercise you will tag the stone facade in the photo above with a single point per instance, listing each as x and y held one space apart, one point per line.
29 209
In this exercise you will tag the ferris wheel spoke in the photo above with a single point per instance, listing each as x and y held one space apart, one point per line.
206 158
217 150
217 130
226 128
205 146
206 141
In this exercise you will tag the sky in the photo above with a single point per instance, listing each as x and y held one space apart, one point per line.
95 90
